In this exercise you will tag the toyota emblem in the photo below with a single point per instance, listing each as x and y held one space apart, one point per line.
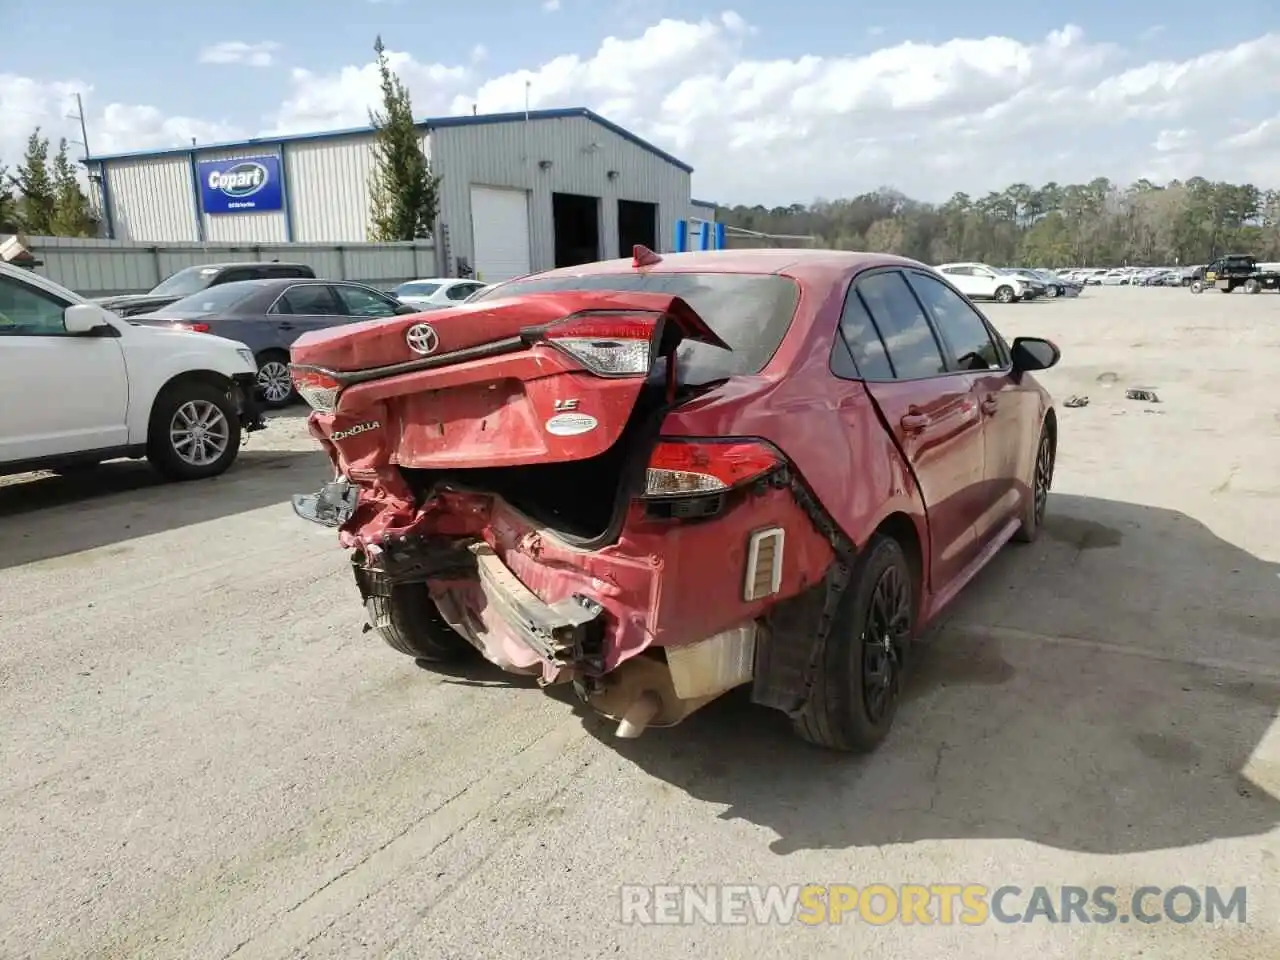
422 338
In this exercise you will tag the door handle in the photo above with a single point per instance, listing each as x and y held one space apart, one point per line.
914 422
285 326
990 404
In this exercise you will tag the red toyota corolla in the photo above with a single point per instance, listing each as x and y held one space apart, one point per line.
665 477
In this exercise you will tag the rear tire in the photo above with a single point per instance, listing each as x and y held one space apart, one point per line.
1252 286
1052 292
275 387
194 431
1033 511
1197 286
841 713
410 624
1004 295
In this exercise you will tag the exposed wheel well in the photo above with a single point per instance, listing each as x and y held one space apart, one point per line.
209 377
900 527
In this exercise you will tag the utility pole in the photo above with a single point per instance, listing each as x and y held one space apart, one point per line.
95 179
84 133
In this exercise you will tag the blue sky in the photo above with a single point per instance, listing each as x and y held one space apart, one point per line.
138 62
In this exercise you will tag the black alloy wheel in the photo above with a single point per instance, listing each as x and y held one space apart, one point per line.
884 637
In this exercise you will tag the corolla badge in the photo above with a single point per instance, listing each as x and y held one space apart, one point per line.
422 338
243 180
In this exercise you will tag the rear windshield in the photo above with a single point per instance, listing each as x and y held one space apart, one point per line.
186 282
214 300
416 289
750 312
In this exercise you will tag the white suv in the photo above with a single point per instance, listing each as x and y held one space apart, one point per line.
978 281
79 385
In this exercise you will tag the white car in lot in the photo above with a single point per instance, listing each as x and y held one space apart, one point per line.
80 385
436 292
979 281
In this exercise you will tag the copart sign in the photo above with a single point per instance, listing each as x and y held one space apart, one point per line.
242 185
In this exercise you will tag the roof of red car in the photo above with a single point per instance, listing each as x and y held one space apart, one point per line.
766 260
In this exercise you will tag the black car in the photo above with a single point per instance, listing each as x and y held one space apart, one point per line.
268 315
200 277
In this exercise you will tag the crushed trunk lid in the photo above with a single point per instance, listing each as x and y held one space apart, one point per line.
539 378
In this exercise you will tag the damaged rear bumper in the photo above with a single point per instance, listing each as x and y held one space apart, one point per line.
331 506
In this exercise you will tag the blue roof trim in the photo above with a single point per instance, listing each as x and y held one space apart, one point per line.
703 203
436 123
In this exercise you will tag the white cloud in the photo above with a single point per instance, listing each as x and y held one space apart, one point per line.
971 113
550 6
237 51
479 53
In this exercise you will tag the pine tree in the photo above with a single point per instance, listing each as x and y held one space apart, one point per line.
402 188
8 203
72 216
37 198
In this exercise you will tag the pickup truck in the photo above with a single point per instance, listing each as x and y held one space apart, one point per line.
198 278
1234 271
80 385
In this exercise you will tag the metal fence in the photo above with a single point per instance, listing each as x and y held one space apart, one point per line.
96 268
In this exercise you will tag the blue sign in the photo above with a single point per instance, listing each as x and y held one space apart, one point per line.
243 185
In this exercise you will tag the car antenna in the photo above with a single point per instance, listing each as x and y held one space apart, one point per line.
642 256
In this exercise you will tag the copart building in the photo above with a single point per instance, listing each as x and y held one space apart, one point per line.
519 192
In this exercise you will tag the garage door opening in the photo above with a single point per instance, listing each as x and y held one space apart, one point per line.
637 223
577 228
500 233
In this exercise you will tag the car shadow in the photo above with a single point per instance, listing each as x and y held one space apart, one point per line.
49 516
1101 690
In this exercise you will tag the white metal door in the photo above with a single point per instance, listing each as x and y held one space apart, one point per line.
500 233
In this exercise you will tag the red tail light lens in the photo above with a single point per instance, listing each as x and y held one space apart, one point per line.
193 327
608 346
681 468
318 389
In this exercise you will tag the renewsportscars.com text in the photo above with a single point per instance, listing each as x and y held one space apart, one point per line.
928 904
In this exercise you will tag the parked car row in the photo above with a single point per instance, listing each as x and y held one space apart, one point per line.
981 281
268 305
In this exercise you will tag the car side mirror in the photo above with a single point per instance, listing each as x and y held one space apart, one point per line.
83 318
405 309
1034 353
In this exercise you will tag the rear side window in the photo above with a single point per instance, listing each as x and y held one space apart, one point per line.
751 312
908 339
863 340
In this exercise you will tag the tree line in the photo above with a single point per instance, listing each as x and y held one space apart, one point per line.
1095 224
42 196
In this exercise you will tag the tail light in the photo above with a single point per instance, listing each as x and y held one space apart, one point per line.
193 327
318 389
609 346
683 468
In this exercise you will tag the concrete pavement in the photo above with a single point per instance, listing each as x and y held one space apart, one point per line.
203 756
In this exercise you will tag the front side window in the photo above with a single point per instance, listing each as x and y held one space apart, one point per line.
959 325
358 302
908 339
26 311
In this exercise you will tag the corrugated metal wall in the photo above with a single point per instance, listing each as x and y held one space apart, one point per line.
329 187
581 154
268 227
96 268
152 199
